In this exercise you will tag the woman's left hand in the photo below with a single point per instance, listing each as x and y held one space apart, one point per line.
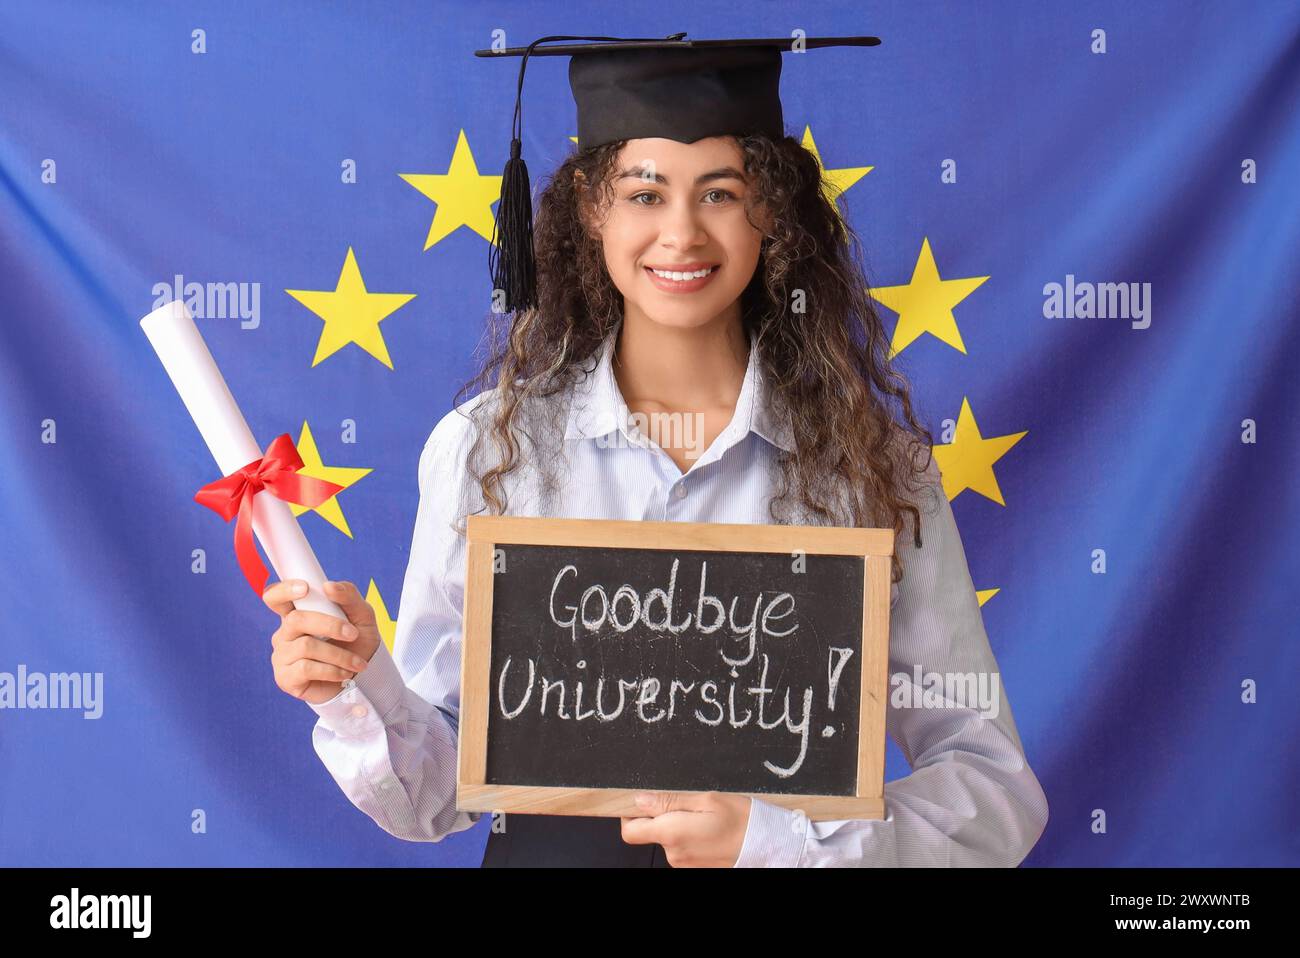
696 830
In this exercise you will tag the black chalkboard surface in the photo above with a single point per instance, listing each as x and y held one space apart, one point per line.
602 658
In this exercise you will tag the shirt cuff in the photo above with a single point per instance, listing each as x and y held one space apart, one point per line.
363 702
774 837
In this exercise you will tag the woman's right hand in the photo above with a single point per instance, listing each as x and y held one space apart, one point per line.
306 665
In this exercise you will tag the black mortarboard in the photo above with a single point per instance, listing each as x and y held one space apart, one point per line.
632 88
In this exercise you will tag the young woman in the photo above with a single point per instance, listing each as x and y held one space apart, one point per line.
688 271
773 348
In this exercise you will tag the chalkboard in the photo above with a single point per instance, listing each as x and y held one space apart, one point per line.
606 657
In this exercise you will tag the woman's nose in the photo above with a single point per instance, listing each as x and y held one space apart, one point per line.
682 227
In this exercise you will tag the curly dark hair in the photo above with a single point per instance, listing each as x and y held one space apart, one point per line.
827 364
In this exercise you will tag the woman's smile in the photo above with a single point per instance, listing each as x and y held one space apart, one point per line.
681 281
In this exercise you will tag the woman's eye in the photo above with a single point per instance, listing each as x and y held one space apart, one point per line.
724 194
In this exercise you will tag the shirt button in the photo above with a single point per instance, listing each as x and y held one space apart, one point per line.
680 492
359 711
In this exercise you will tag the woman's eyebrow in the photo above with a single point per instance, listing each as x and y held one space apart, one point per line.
722 173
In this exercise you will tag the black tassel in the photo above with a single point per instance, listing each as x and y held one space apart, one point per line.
514 268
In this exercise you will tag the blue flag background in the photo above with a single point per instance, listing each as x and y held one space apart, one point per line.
1135 547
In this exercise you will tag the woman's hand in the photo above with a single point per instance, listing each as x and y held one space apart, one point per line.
311 668
696 830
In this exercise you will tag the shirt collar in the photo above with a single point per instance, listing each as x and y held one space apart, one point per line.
598 408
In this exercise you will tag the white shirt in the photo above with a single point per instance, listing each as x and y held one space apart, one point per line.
389 737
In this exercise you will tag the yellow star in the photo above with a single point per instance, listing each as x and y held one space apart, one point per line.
985 594
351 314
834 182
925 304
387 626
329 510
967 462
464 197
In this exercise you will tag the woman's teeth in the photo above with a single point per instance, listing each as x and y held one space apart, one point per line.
680 277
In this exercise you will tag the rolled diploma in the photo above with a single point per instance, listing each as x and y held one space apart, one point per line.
203 389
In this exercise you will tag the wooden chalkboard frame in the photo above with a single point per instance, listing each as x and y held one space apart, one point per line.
485 533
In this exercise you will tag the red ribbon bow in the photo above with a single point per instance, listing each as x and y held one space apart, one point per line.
276 473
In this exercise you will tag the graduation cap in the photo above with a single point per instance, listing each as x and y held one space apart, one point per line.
634 88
